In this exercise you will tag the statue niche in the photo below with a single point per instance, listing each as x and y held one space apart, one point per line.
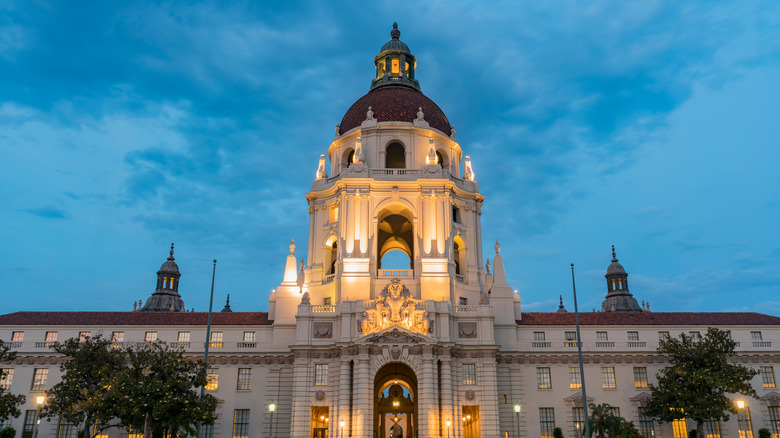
395 306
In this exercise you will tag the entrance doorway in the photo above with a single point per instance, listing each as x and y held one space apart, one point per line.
395 402
319 422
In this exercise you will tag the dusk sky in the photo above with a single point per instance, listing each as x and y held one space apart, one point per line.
653 126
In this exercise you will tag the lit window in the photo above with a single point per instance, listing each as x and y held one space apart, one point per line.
395 66
575 381
7 378
640 377
633 336
17 337
646 424
135 433
244 379
183 337
216 340
662 336
578 417
680 428
543 378
756 336
712 429
320 374
745 423
84 335
212 379
51 337
601 336
538 336
547 422
67 430
768 377
695 336
333 214
608 378
241 423
117 336
327 301
40 376
571 339
774 420
464 301
150 336
249 337
469 374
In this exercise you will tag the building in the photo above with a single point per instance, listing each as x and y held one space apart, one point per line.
350 348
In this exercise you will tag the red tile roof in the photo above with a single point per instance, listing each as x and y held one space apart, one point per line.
395 104
650 318
133 318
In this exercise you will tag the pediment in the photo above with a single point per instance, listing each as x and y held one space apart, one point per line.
772 397
394 335
642 397
576 399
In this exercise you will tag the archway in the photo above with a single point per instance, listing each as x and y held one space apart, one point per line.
395 156
395 402
395 231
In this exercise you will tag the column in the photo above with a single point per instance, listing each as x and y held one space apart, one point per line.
301 410
488 410
446 393
342 409
349 231
363 408
427 399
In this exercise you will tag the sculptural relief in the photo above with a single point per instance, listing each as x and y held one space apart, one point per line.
395 306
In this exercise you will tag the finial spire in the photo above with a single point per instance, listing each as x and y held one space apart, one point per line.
614 258
395 33
171 256
292 246
497 247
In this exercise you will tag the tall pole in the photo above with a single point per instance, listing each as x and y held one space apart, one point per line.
579 351
208 338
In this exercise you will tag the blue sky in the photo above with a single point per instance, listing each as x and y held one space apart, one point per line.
125 126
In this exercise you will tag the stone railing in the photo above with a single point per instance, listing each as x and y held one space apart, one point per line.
394 273
328 278
323 308
466 309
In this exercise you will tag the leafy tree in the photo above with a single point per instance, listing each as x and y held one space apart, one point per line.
764 433
557 432
158 392
7 432
83 394
9 403
699 379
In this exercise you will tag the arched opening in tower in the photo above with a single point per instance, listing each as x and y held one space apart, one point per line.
395 401
395 156
395 232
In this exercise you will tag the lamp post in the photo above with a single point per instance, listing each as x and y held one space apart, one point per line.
448 423
39 402
271 409
341 428
517 415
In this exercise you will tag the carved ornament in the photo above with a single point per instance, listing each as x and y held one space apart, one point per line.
395 306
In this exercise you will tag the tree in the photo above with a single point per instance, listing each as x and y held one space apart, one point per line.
160 388
9 403
83 394
603 421
698 380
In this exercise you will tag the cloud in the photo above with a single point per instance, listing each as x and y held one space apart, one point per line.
48 213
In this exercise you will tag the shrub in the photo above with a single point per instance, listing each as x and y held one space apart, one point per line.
8 432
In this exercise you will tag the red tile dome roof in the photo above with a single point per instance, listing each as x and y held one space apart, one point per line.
395 104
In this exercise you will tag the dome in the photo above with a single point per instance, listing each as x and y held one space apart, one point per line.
170 266
615 268
395 104
395 45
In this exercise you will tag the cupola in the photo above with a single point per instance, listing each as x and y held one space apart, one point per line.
618 298
395 64
166 296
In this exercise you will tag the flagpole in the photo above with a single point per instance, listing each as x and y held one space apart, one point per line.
208 338
579 351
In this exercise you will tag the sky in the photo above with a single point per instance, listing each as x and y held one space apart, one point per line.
648 125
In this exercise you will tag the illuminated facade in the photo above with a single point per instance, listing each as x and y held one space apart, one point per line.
440 348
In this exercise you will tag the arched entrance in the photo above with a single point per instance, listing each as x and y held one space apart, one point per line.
395 402
395 232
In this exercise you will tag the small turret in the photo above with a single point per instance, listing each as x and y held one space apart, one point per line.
227 305
166 296
618 298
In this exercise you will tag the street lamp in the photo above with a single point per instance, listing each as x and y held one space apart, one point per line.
741 404
271 409
341 427
448 423
517 414
39 401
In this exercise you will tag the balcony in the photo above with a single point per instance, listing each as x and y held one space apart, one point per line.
328 278
323 308
395 273
762 344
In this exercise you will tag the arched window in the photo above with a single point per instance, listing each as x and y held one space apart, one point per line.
346 158
395 156
458 254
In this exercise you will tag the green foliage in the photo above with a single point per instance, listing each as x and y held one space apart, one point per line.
764 433
8 432
159 388
603 421
82 395
699 379
9 403
557 432
692 433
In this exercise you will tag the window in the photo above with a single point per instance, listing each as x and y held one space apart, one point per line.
249 337
206 431
695 336
40 376
547 421
244 379
469 374
538 336
745 423
543 378
133 433
17 337
117 336
183 337
30 418
711 429
756 336
212 379
7 378
768 377
216 340
680 428
578 417
633 336
575 381
662 336
601 336
66 430
774 420
320 374
571 339
395 156
646 425
333 212
455 210
327 301
241 423
608 378
51 336
150 336
464 301
640 377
